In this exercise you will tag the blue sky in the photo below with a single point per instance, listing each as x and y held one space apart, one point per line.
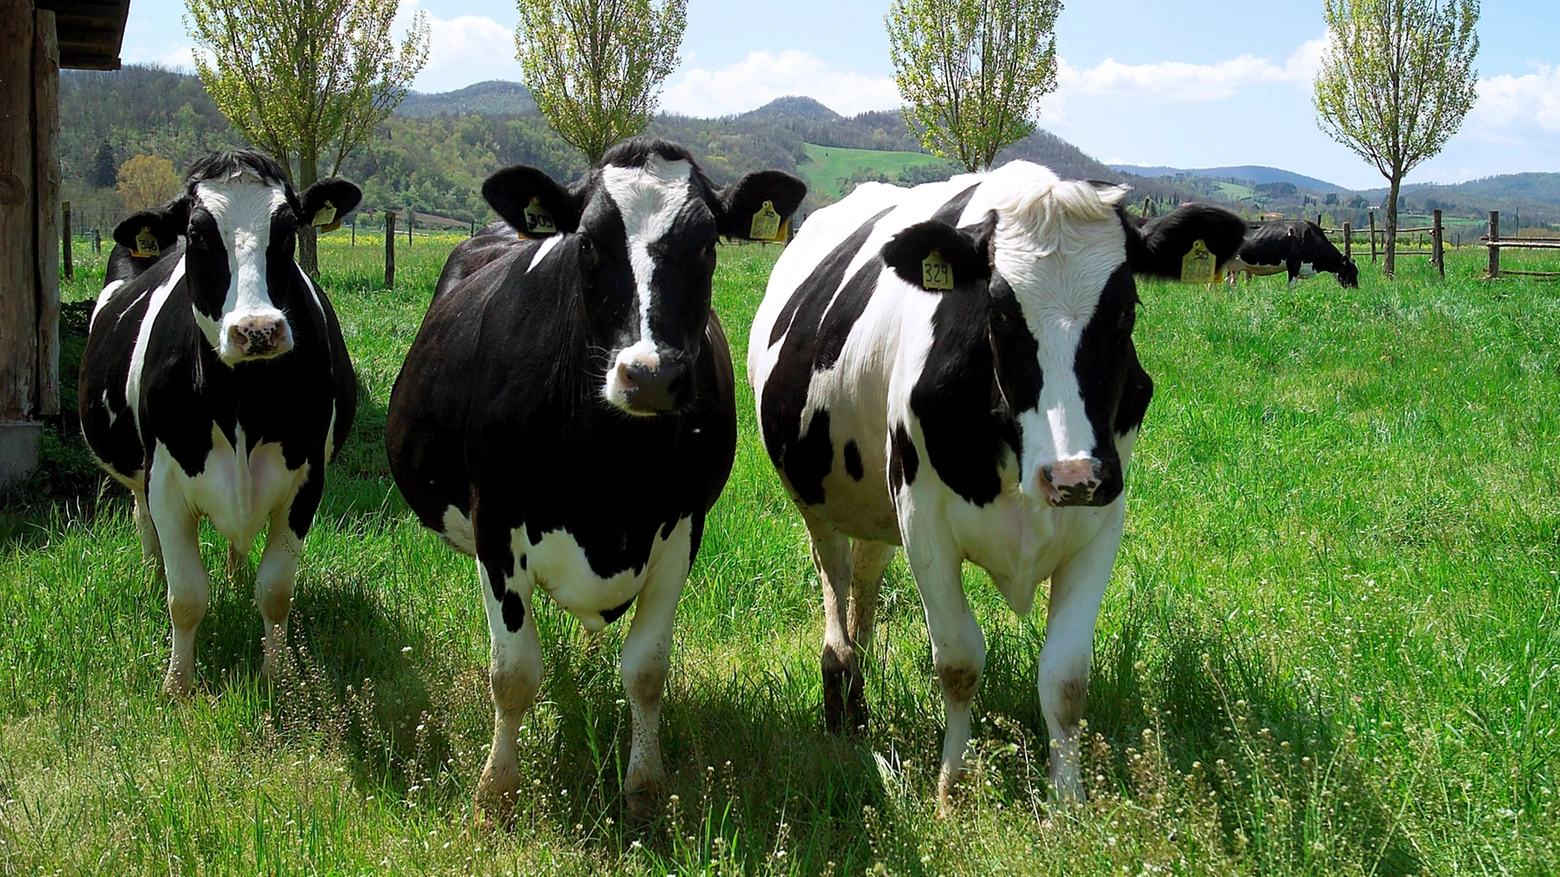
1218 82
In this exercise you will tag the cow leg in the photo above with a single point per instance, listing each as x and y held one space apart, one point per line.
646 656
867 563
274 586
1077 587
842 680
958 651
151 548
515 674
189 588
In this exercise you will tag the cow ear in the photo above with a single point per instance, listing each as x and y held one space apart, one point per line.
531 202
757 206
326 202
935 256
163 224
1157 247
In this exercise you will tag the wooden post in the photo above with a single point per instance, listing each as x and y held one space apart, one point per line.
18 244
354 230
46 173
1373 235
1437 251
1494 250
411 219
1146 208
69 268
97 240
1346 242
389 249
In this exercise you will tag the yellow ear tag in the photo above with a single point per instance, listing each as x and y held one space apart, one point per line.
325 219
146 244
1198 266
936 273
766 224
537 220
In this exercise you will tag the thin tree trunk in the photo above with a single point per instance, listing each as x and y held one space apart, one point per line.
1390 266
308 241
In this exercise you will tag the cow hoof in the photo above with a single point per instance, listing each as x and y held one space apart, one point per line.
641 805
947 793
497 792
844 703
177 685
856 713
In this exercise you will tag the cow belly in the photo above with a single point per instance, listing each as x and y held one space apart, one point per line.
1237 265
238 488
558 566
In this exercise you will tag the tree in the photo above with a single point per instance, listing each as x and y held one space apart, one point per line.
595 66
147 181
302 79
103 173
1397 78
973 71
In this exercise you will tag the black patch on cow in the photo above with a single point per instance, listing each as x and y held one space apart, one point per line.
1135 396
616 612
1018 374
853 461
903 459
522 561
1105 366
953 398
514 611
813 334
954 208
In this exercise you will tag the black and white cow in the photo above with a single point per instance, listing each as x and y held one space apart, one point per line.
566 415
216 384
951 368
1297 246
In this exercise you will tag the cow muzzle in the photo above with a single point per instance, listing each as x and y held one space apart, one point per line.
649 383
259 336
1071 482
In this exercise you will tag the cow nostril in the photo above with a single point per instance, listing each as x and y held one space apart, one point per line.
626 374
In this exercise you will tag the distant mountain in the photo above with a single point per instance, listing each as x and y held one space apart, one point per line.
494 97
790 109
1258 174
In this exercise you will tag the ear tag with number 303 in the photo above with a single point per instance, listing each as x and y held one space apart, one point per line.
146 244
766 224
936 272
1198 266
325 219
538 220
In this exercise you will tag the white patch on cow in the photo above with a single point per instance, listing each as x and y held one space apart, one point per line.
143 339
108 292
242 206
649 199
1056 244
239 486
456 529
541 252
558 565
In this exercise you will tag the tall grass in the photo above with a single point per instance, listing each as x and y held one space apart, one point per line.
1332 644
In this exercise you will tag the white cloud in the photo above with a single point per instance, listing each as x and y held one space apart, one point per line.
1179 80
1508 101
464 50
763 76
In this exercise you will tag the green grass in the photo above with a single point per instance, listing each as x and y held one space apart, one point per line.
1332 644
826 165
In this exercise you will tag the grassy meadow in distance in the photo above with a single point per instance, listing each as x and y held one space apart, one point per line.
1332 645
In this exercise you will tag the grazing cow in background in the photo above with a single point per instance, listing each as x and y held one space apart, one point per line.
1295 245
566 415
951 368
216 383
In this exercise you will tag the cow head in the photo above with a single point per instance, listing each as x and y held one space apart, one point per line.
1055 262
1349 274
637 236
240 219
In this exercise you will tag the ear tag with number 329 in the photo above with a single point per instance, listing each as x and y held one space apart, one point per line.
538 220
936 272
146 244
766 224
1198 266
325 219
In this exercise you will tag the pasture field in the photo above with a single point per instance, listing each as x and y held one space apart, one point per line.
825 166
1332 645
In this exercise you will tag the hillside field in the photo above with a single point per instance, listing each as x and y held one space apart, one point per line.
826 165
1331 646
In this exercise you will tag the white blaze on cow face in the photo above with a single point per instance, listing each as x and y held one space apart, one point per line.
648 198
251 325
1057 244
